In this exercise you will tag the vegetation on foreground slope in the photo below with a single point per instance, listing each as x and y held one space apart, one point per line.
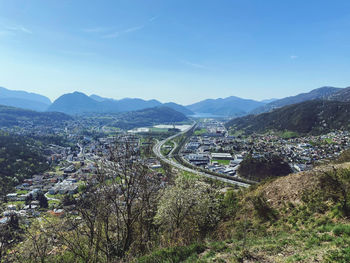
301 217
298 218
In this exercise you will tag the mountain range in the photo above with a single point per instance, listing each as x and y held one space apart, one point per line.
78 103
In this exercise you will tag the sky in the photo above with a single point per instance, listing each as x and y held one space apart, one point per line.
174 50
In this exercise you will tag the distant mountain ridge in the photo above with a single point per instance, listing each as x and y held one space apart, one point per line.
315 94
79 103
23 99
315 117
230 106
124 103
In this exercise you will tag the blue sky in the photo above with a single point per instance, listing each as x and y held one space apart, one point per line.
174 50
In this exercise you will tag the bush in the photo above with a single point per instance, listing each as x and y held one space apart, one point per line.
326 228
230 203
173 255
340 256
262 208
341 229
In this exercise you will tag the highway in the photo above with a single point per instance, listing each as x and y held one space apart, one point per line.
157 152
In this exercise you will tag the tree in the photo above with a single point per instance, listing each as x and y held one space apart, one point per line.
42 200
29 200
68 200
115 212
188 210
36 245
9 235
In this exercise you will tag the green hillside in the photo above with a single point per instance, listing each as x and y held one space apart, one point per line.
20 158
298 218
314 117
141 118
10 116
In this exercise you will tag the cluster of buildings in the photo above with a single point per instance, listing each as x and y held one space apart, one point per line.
218 152
301 152
66 180
209 149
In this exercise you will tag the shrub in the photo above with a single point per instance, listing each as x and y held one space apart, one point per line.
173 255
341 229
340 256
262 208
230 203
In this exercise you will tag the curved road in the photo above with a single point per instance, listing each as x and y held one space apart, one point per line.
157 152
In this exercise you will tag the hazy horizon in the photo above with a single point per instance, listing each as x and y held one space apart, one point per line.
174 51
127 97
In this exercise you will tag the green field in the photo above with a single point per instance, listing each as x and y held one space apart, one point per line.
53 203
288 135
328 140
200 132
223 162
235 133
22 192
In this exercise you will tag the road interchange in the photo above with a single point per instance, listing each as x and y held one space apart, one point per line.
157 151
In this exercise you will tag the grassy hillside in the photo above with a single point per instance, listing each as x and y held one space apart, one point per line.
297 218
314 117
